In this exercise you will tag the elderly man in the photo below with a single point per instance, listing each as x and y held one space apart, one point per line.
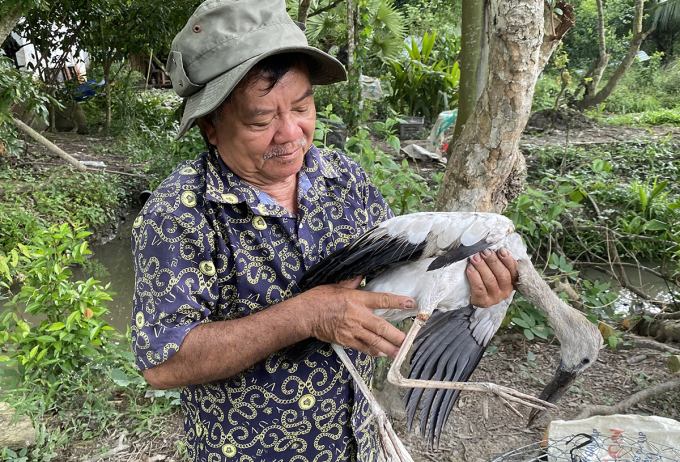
222 242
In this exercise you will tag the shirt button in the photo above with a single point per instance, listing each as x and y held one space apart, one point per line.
259 223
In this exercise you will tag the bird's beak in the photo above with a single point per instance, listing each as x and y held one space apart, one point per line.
554 390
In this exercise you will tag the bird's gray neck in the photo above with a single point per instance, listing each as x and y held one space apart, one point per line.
536 291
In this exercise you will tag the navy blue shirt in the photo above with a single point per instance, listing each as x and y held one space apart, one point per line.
209 247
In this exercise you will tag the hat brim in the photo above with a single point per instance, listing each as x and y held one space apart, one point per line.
329 70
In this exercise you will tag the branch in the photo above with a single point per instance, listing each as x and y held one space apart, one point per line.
632 400
325 8
48 144
650 344
626 237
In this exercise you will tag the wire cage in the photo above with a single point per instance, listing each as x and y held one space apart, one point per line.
595 447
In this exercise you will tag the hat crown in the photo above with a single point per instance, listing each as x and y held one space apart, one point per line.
222 34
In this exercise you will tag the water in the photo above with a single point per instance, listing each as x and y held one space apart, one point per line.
115 257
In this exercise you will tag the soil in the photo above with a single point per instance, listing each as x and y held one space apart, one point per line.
471 434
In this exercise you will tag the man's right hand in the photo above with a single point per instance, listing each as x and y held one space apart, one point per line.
342 315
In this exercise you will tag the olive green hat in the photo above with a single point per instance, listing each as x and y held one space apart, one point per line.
223 40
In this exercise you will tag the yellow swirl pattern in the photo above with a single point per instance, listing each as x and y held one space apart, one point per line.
208 247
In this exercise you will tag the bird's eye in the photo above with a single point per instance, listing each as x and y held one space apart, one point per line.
586 361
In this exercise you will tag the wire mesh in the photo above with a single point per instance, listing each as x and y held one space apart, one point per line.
595 447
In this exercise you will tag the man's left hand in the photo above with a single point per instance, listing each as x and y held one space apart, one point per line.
491 275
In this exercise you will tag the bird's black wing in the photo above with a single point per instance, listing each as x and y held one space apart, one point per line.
366 256
443 350
369 256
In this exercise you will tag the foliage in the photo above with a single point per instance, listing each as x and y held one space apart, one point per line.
419 85
635 188
88 198
71 332
404 190
382 26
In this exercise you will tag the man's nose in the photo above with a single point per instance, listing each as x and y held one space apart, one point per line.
289 129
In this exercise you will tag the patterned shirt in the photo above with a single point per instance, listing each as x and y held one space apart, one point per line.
209 247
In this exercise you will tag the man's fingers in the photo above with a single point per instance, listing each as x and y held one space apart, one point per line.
384 301
478 294
499 269
509 262
487 276
377 342
351 283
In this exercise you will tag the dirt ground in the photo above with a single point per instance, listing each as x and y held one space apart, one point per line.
471 434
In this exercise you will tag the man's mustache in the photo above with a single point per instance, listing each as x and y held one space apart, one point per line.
284 149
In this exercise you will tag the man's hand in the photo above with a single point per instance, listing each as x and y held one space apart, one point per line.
491 277
342 315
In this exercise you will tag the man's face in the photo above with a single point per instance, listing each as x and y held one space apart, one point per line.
263 137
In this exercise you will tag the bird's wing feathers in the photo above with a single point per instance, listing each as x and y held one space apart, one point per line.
448 348
449 236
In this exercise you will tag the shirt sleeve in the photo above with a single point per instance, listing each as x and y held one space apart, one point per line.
175 282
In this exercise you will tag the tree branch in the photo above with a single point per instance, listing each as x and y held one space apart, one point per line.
632 400
325 8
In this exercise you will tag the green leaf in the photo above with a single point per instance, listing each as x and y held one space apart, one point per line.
528 334
46 338
120 378
56 326
520 323
656 225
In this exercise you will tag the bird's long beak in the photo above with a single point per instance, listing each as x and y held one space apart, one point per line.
554 390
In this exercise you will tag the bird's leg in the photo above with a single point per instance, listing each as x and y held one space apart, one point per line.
394 375
393 448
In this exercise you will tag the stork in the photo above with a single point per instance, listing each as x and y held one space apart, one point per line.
424 256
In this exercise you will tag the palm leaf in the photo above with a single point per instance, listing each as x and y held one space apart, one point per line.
387 16
667 15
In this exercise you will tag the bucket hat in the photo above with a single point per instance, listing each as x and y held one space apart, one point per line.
223 40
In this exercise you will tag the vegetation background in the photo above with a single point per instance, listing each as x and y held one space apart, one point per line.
591 201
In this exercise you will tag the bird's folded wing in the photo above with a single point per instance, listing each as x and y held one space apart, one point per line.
448 348
450 237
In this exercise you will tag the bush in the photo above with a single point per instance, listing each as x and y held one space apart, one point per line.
419 85
71 332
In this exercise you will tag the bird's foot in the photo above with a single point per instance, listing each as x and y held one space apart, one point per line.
393 449
506 394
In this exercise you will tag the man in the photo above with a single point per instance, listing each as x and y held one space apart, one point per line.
221 244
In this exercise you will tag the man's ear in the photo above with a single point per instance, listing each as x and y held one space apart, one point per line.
208 130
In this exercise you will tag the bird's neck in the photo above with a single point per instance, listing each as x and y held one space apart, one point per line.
536 291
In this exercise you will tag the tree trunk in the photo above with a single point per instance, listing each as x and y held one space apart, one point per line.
15 435
54 149
660 329
350 36
303 10
593 99
592 79
9 21
107 92
472 59
486 169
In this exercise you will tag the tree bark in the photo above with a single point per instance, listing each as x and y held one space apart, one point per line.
472 59
601 64
107 92
661 330
48 144
593 99
350 36
486 169
10 20
15 435
303 10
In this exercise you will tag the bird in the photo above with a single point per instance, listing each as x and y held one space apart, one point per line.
424 256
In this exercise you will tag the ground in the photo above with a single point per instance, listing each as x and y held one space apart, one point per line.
480 427
471 435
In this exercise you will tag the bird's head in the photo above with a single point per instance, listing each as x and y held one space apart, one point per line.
581 342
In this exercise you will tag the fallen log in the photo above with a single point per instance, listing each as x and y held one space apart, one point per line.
15 435
53 148
662 330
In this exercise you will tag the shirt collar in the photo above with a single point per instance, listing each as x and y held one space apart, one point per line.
223 186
